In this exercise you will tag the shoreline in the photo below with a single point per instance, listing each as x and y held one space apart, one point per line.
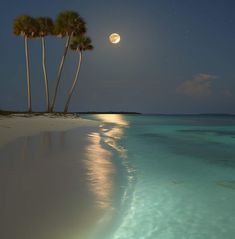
14 126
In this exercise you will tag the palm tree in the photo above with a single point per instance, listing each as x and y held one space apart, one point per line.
45 28
80 44
67 24
26 27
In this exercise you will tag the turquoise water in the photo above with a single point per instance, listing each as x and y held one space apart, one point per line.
136 177
182 178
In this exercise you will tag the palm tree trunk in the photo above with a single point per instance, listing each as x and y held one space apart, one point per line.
60 71
45 74
74 83
28 74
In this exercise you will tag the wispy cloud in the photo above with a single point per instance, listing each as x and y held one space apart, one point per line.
227 93
200 85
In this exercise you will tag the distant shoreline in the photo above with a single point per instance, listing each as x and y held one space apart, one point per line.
76 114
196 114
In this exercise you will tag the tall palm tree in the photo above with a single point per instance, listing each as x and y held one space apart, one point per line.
45 28
26 27
80 44
67 24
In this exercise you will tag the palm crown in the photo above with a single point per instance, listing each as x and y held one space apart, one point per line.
45 26
81 43
25 26
68 23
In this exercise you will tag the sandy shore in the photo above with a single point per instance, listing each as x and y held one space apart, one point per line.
14 126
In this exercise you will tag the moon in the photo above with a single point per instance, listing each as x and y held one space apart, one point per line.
114 38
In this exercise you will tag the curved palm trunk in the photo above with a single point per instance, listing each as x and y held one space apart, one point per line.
45 74
74 83
28 74
60 71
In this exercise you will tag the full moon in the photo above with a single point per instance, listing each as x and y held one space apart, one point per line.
114 38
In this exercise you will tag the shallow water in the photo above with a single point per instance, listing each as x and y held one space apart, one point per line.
142 177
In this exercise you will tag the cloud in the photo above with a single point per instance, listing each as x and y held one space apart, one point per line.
200 85
227 93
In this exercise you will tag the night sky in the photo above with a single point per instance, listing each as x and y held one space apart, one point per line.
175 56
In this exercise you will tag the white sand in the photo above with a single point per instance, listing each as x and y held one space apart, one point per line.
14 126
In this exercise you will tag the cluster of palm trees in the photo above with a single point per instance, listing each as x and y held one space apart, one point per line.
67 24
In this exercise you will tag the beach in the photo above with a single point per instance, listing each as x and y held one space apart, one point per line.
117 177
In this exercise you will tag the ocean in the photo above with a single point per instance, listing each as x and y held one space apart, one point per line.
136 177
